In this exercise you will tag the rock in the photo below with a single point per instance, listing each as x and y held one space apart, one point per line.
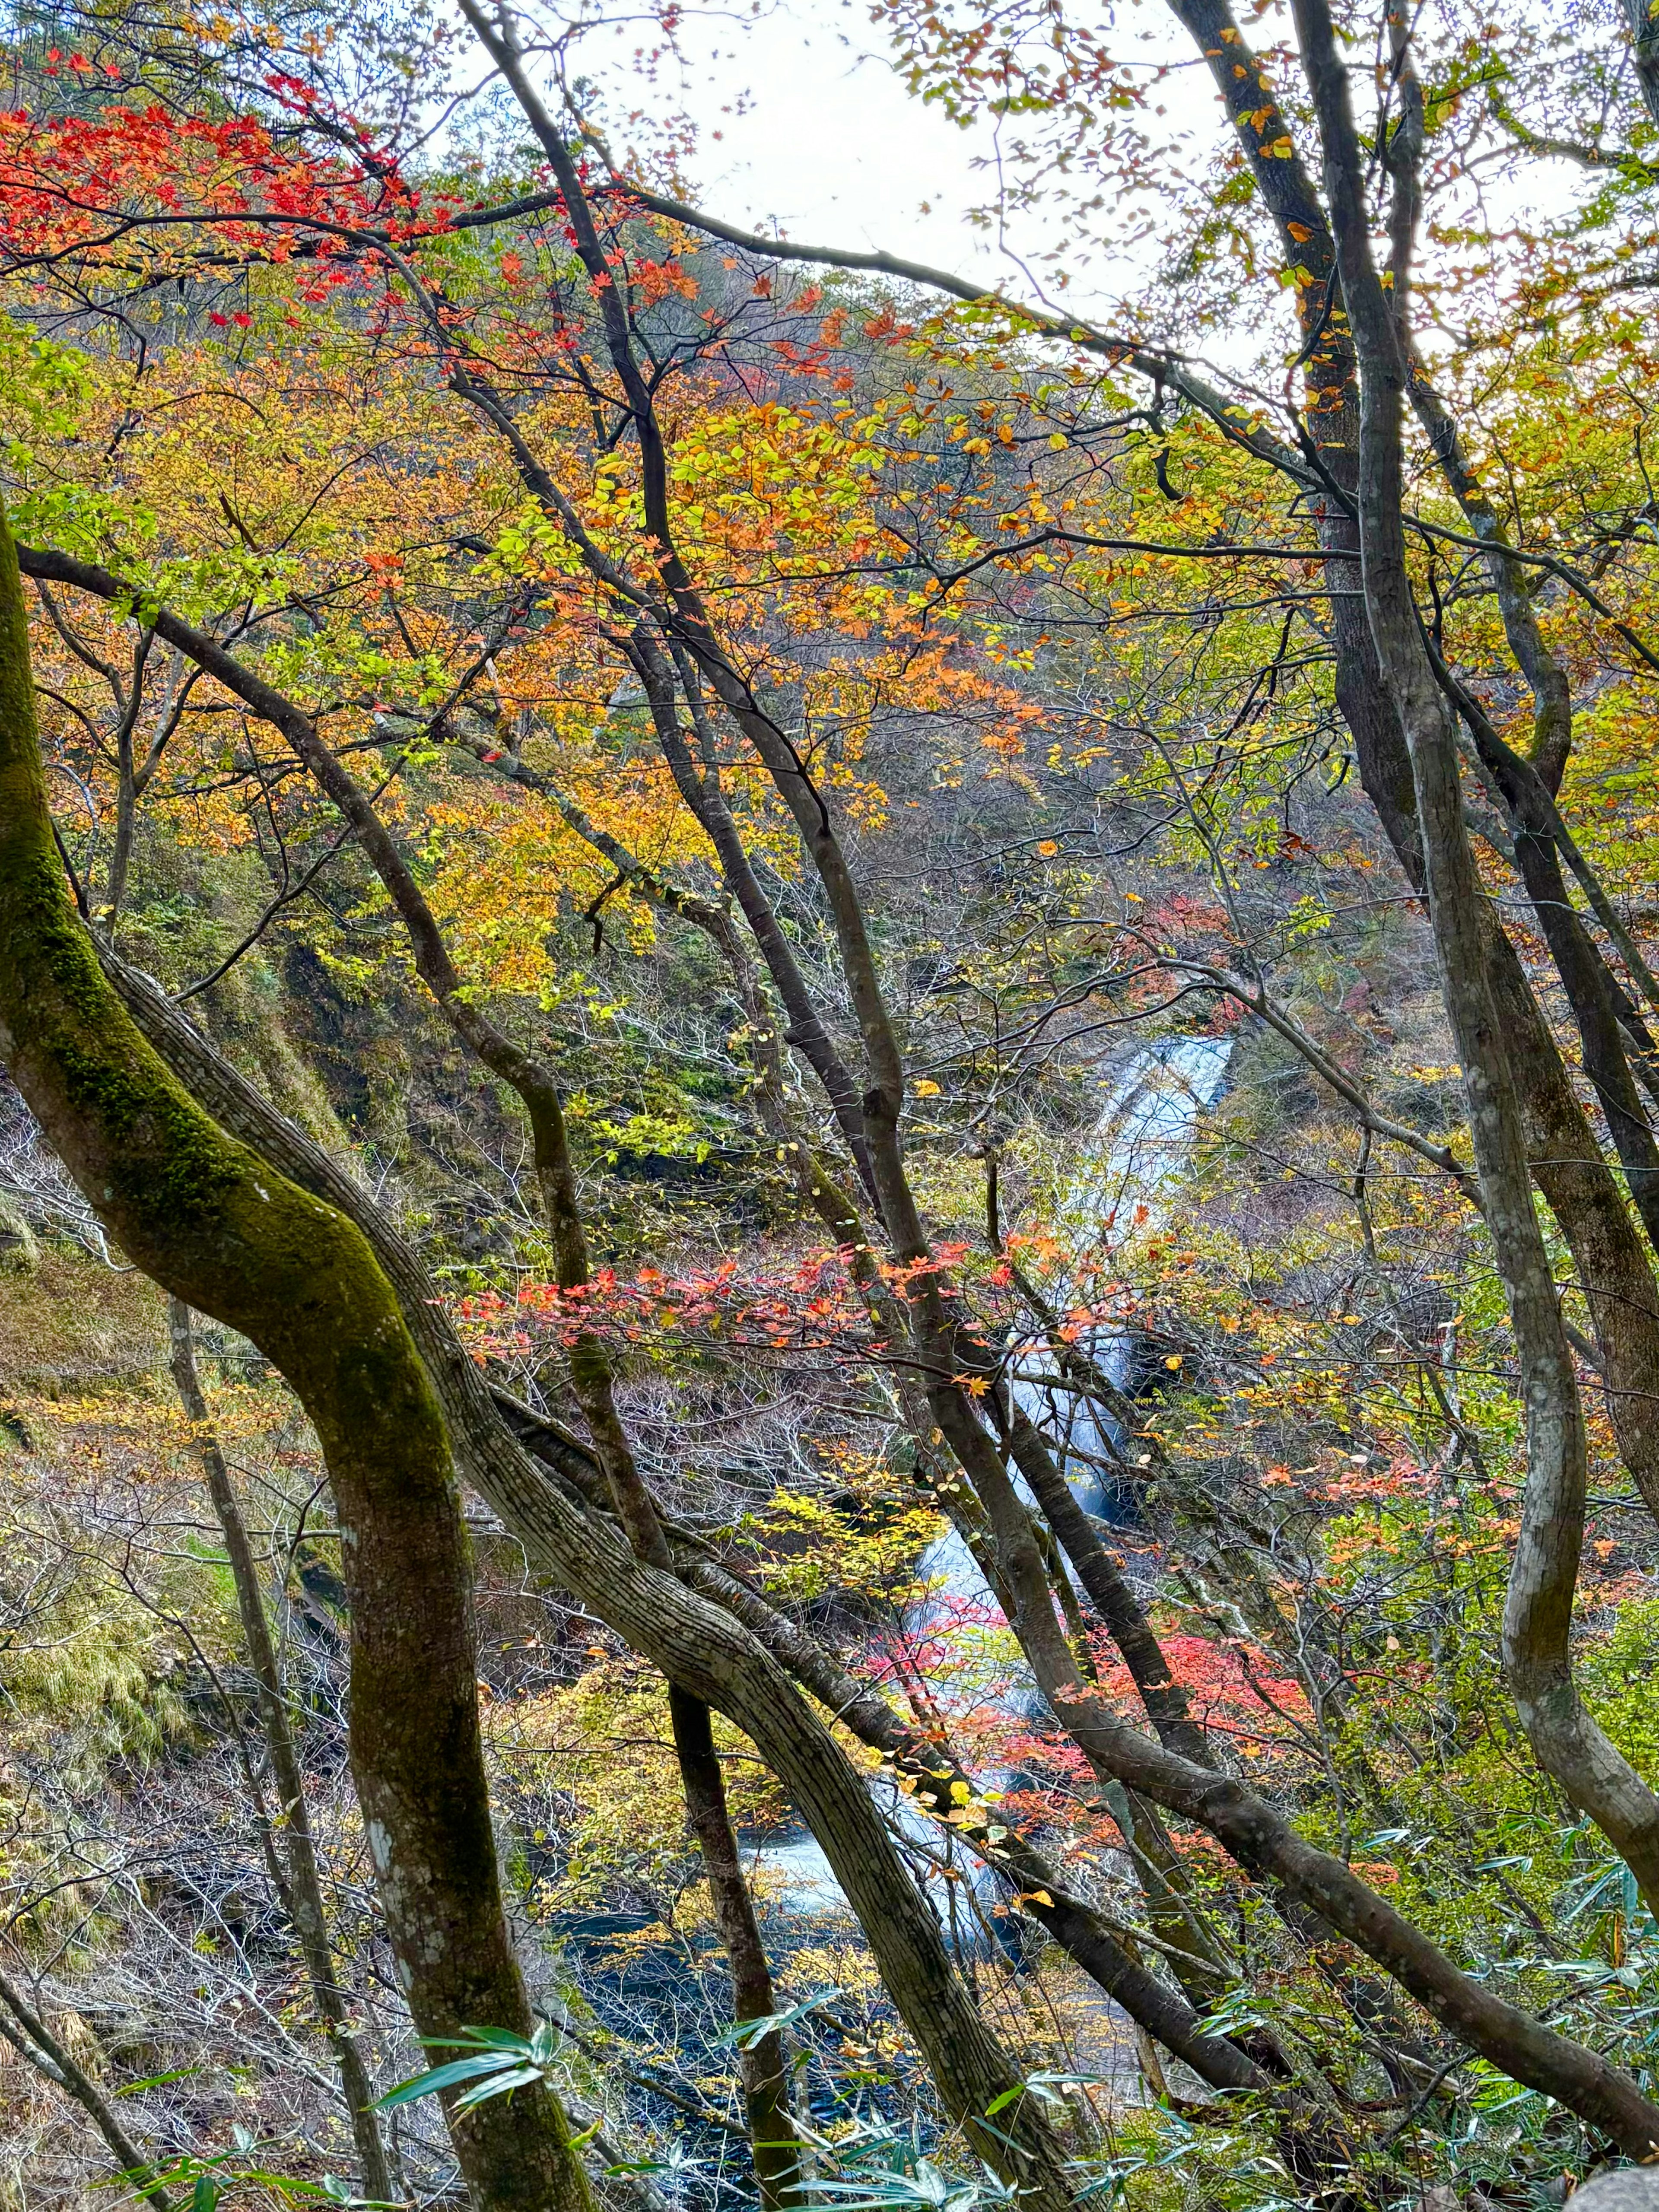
1632 2189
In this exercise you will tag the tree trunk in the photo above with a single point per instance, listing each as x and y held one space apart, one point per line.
304 1885
1537 1623
761 2059
220 1229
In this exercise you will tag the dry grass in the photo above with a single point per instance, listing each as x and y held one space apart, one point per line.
70 1323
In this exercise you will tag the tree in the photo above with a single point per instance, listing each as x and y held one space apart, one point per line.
230 1236
681 527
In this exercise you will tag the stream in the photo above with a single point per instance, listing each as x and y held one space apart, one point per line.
1140 1143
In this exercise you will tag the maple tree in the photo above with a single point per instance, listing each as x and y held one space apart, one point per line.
496 574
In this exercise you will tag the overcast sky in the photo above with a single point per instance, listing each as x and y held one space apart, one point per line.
832 149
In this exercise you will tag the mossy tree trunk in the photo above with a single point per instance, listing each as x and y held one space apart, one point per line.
216 1226
696 1647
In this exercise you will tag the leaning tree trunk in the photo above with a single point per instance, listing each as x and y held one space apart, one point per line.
1537 1622
697 1646
218 1227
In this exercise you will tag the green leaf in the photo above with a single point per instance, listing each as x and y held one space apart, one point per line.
744 2034
439 2078
500 2061
155 2081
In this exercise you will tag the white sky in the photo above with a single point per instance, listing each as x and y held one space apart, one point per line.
805 125
834 149
827 144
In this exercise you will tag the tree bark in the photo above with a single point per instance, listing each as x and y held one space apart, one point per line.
304 1885
1566 1740
772 2135
220 1229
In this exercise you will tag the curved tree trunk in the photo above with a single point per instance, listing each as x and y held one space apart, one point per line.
316 1312
1537 1621
221 1230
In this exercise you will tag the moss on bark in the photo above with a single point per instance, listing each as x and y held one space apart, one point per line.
215 1225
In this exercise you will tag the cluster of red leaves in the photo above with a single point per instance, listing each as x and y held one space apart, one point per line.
78 186
1236 1690
310 189
808 1305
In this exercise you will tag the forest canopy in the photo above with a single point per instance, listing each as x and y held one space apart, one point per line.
830 1134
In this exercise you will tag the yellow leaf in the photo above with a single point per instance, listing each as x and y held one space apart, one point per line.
926 1089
